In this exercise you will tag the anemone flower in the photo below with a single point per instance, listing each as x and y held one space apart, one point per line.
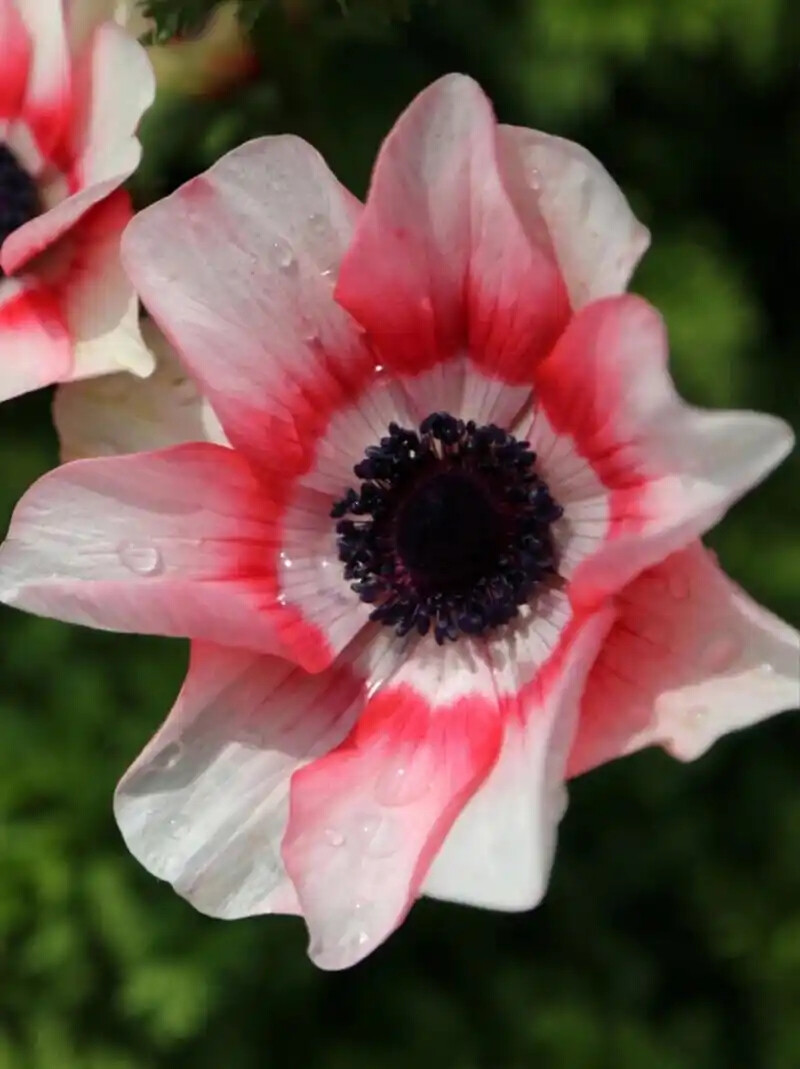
72 90
446 552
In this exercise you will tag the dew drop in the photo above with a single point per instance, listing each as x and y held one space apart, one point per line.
177 827
720 653
695 713
766 669
168 757
678 586
535 179
399 786
380 837
140 559
362 938
333 837
283 255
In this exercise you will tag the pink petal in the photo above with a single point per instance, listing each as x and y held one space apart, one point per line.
366 820
107 110
180 542
441 265
597 239
205 806
499 852
237 267
35 346
16 46
640 472
48 101
690 658
98 300
116 414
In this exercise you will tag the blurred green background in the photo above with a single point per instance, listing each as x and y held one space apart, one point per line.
670 938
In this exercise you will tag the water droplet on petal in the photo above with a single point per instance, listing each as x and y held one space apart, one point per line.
333 837
363 938
380 836
678 586
318 224
177 827
400 785
766 669
140 559
284 256
168 757
720 653
696 713
535 179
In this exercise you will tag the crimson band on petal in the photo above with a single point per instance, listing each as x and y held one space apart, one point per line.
450 528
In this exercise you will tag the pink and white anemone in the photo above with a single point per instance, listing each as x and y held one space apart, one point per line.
73 87
315 762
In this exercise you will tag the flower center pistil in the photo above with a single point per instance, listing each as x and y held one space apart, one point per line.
449 529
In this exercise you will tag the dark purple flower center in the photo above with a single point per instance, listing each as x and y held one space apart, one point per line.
19 197
450 528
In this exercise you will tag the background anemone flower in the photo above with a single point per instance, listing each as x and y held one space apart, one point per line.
72 92
449 555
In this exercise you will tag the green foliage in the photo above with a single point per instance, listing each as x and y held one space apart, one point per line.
186 17
670 938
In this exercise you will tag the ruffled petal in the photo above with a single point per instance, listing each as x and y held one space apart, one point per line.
16 61
180 542
205 806
103 150
99 303
117 414
598 241
237 267
500 850
690 658
35 347
441 266
47 106
639 472
366 820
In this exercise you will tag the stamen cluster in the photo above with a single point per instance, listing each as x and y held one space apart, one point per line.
449 530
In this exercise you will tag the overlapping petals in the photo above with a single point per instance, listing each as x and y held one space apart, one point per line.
316 762
71 97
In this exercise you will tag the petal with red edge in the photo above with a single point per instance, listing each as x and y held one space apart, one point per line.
35 347
99 302
500 850
109 108
103 150
366 820
598 240
690 658
237 267
205 806
47 104
441 265
16 61
639 472
117 414
178 542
